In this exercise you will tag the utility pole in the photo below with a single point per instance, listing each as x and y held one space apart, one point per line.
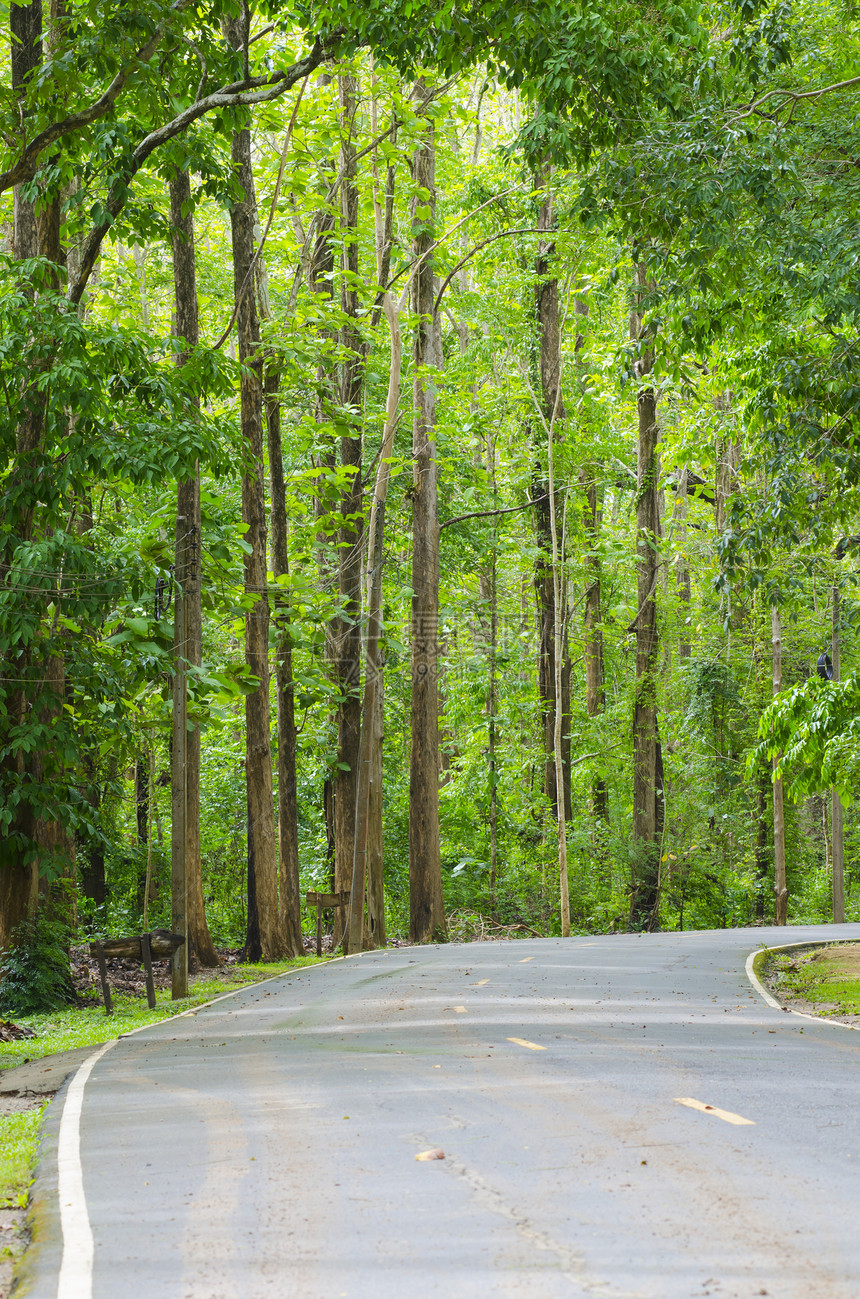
836 833
179 766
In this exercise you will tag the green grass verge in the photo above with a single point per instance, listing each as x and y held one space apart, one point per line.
828 978
64 1030
19 1146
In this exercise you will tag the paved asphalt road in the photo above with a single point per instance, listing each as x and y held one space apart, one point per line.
265 1146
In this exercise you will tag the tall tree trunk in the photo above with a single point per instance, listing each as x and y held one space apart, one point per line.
762 845
837 831
289 883
33 841
348 627
683 567
25 22
200 946
727 459
780 886
367 856
288 814
492 673
647 756
321 283
595 692
264 939
552 411
141 807
426 906
383 209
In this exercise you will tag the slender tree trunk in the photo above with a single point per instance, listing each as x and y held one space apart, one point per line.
348 628
25 23
383 209
141 807
559 604
320 282
595 692
289 885
762 846
727 459
552 410
426 907
837 831
683 567
288 817
265 937
367 856
780 886
647 756
201 948
492 684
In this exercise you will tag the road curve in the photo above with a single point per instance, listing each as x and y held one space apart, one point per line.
265 1145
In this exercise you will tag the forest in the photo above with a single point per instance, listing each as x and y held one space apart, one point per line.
430 452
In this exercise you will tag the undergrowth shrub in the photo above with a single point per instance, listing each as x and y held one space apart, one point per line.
34 971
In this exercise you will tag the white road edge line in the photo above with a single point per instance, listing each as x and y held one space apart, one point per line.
777 1005
76 1268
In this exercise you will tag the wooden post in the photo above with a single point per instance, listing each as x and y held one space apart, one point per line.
837 837
146 953
320 900
100 957
179 781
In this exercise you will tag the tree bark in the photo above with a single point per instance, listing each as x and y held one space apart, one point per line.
552 411
288 816
426 907
780 886
367 857
837 831
264 939
683 568
647 756
200 946
595 692
348 626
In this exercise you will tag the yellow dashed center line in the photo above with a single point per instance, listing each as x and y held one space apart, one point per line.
725 1115
521 1041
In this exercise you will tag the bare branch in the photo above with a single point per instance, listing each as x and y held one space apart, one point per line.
503 234
237 96
487 514
25 167
793 97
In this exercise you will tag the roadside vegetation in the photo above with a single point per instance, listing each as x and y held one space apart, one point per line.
824 982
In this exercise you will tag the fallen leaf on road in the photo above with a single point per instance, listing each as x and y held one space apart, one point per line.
480 983
430 1154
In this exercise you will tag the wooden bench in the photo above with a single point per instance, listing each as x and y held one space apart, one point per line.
159 943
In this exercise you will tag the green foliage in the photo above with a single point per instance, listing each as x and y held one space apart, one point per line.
19 1147
34 972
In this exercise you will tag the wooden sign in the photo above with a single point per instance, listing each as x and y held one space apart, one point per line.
320 900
